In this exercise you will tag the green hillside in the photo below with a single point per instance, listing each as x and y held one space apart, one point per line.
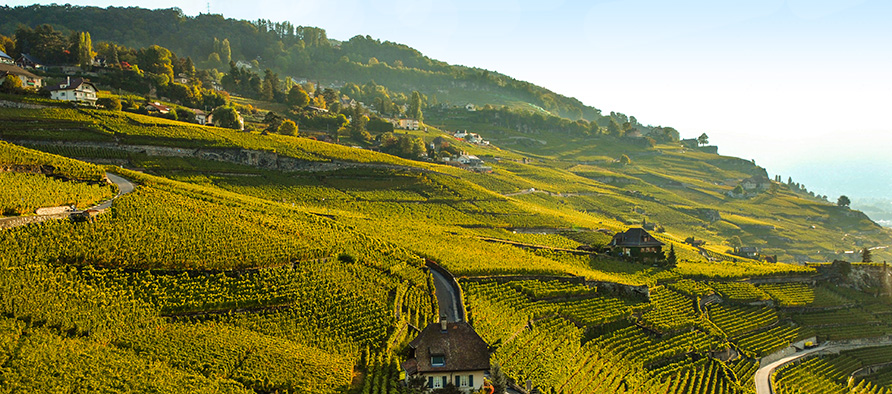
265 261
136 288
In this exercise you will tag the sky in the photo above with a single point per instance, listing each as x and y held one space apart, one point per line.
803 87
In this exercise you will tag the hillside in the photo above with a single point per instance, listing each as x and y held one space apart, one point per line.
298 51
346 230
258 261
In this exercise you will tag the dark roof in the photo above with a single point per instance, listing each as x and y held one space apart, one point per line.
6 69
460 346
74 83
30 59
634 237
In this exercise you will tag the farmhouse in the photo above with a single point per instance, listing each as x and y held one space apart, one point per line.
635 242
77 90
448 352
750 252
28 61
28 79
406 124
4 58
157 108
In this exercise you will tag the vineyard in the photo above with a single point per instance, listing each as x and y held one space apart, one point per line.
834 373
220 276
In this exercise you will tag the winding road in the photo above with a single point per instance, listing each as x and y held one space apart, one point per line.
763 374
124 187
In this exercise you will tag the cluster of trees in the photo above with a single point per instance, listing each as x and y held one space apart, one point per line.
285 48
616 124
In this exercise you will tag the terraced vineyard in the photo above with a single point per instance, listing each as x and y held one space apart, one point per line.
832 374
229 276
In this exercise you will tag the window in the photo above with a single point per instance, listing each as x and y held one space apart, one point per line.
470 380
439 383
430 382
438 361
463 381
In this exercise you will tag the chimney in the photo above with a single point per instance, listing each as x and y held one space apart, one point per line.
67 81
443 323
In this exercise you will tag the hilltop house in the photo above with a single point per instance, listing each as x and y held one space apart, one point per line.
6 59
201 117
636 243
76 90
756 182
406 124
157 108
448 352
28 61
28 79
750 252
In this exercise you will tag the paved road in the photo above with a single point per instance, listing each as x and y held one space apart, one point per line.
763 375
124 187
450 302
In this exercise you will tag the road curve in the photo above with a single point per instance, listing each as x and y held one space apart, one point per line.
124 187
450 302
763 374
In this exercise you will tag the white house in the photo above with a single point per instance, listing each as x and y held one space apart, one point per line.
200 117
28 79
448 352
77 89
471 107
4 58
408 124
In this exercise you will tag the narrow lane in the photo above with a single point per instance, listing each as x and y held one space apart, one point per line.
124 187
763 374
447 298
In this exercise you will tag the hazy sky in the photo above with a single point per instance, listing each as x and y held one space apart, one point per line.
803 87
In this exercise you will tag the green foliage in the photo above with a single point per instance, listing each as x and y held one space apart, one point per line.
227 117
109 103
36 191
287 127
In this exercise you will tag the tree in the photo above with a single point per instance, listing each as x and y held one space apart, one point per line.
82 47
735 241
703 139
11 84
499 381
865 256
625 160
671 258
288 127
843 201
185 115
415 107
298 97
226 117
225 51
109 103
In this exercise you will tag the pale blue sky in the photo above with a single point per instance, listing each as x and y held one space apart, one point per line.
804 87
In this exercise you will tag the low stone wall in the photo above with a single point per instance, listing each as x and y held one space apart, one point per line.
23 220
254 158
54 210
16 104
